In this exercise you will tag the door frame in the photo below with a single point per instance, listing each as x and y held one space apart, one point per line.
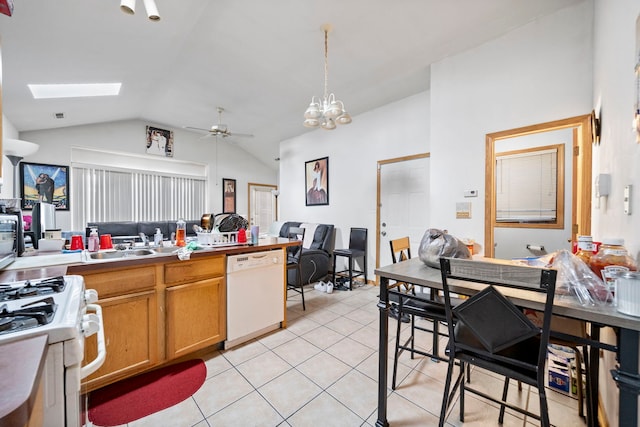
378 201
581 174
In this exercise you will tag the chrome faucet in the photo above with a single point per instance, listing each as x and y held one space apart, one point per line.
144 238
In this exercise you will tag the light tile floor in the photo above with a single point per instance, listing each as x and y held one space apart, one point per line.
323 370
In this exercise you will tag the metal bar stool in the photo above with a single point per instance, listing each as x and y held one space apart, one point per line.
357 249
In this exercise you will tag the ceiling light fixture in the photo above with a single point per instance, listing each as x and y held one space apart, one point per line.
129 6
328 111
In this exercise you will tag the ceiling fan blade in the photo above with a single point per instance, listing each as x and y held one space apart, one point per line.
242 135
192 128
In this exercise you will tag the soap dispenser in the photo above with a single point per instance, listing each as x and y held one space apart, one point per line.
157 238
94 240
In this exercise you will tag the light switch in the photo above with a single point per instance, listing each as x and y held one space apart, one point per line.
627 200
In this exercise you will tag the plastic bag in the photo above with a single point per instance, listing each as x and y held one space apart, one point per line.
577 279
437 243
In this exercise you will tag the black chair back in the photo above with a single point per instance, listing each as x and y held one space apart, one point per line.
296 233
494 334
358 239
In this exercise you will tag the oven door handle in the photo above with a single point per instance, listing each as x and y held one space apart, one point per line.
96 363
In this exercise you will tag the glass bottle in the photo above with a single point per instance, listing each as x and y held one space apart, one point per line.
181 233
585 249
612 253
612 258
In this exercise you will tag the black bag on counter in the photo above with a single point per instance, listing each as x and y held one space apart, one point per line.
230 222
437 243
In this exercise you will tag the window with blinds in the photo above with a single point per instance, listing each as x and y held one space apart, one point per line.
529 186
106 193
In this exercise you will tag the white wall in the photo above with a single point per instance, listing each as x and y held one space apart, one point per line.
534 74
6 182
537 73
614 90
130 137
395 130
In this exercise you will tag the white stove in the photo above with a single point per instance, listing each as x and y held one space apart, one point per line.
61 308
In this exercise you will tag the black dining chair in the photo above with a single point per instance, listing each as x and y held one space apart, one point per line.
294 281
357 249
406 303
492 333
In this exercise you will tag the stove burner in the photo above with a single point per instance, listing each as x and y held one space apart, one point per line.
28 289
30 315
5 323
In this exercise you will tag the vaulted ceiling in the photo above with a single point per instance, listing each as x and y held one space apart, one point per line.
260 60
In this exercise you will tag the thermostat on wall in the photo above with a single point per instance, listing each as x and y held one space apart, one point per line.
470 193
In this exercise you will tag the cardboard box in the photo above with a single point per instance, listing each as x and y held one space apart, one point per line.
558 379
6 7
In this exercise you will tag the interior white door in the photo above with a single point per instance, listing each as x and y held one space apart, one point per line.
404 201
262 206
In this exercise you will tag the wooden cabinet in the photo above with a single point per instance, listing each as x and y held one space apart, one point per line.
155 312
130 328
195 318
195 305
129 302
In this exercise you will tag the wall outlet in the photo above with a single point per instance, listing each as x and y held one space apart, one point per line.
627 200
470 193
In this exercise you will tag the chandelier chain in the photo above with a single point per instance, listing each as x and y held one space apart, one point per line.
326 64
328 111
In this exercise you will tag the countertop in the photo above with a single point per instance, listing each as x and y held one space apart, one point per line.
47 264
21 366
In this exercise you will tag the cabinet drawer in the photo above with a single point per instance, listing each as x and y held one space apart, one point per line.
191 271
119 282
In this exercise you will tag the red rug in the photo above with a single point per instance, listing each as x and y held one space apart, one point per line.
145 394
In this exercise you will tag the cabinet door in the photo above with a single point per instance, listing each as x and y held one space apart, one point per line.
130 331
196 316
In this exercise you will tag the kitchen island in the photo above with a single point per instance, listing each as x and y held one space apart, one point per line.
156 308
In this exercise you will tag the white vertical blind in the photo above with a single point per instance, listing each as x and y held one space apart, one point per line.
101 194
526 186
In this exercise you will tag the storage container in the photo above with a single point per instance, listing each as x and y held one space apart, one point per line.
628 292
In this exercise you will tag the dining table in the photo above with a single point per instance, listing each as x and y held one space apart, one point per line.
597 316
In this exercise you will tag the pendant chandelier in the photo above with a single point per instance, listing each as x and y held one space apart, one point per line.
328 111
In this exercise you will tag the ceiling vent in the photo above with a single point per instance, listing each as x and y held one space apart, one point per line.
59 115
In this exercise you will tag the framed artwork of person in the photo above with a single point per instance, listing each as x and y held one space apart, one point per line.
317 181
159 142
47 183
228 195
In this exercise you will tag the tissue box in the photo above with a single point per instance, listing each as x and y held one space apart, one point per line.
49 245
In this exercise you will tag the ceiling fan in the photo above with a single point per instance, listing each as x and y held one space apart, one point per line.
220 129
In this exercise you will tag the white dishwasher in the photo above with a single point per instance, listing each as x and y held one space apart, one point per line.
255 295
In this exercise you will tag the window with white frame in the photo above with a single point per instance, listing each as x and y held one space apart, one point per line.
124 187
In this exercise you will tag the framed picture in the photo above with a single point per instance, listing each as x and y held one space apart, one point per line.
41 182
159 142
317 181
228 195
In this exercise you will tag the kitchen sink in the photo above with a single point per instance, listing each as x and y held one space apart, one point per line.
165 249
106 255
139 252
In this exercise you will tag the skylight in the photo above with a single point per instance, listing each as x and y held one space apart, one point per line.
74 90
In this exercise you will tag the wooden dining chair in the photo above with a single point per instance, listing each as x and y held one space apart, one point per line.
492 333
